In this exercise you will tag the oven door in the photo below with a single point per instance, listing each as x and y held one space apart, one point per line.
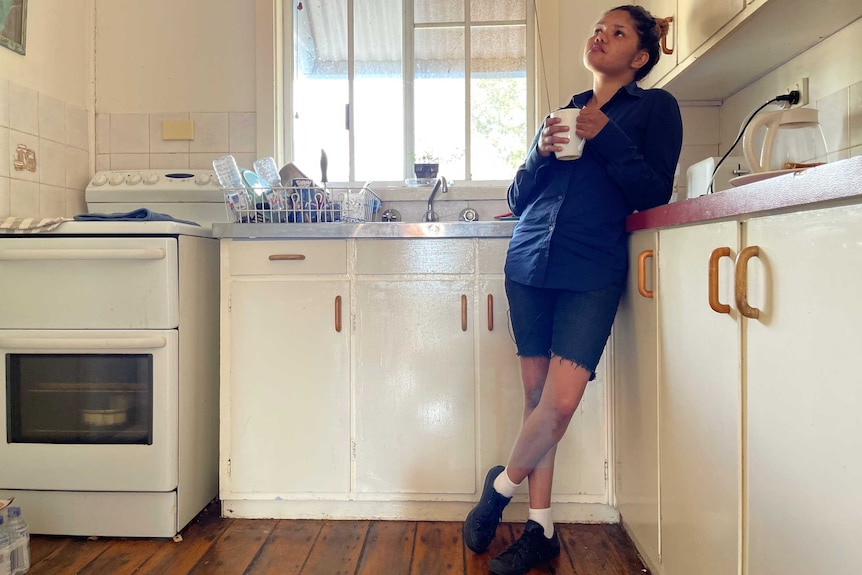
89 410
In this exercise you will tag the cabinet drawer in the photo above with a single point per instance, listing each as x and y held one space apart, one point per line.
492 255
416 256
286 257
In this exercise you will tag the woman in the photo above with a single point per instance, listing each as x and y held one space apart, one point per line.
567 261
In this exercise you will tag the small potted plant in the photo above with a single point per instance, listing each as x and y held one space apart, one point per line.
426 165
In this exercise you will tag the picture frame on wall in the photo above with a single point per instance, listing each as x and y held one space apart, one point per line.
13 25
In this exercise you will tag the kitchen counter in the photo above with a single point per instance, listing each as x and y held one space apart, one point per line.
814 187
369 230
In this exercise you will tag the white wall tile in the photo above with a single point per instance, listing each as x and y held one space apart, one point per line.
172 161
700 125
855 111
160 146
75 203
24 199
4 102
211 132
23 109
130 133
103 162
51 163
31 142
203 161
244 161
130 161
243 132
77 129
5 153
855 151
4 197
834 120
103 133
52 201
77 168
52 119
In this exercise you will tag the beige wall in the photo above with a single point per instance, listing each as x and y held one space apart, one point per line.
45 109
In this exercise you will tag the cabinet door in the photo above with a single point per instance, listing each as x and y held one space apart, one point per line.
804 391
289 384
699 405
666 62
415 385
636 400
700 19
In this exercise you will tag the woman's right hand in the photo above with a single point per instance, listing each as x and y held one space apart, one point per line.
553 137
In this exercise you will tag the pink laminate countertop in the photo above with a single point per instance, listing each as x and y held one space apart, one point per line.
840 180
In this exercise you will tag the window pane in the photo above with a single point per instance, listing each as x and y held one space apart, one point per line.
320 89
499 99
378 112
437 11
497 10
440 101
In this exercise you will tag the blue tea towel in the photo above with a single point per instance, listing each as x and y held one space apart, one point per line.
139 215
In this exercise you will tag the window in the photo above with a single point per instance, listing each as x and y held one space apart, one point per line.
379 83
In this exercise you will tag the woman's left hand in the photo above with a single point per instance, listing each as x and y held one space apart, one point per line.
590 122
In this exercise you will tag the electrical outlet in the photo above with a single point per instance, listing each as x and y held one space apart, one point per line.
801 85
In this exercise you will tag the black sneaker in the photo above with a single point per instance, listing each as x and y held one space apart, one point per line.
481 523
530 550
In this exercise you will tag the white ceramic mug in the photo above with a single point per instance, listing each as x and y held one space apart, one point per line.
573 149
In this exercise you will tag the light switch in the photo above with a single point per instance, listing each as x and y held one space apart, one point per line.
178 130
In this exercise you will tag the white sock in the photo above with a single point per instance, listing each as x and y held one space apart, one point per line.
543 518
504 486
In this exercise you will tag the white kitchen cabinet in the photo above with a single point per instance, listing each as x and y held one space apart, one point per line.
666 62
287 375
636 411
700 404
804 393
699 20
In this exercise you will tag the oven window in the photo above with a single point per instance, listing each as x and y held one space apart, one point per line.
79 398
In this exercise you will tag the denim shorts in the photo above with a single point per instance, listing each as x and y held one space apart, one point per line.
573 325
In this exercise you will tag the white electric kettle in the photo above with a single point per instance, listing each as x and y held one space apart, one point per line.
790 137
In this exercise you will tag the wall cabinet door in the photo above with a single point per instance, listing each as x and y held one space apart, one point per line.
289 381
414 386
699 19
804 391
666 62
700 404
636 399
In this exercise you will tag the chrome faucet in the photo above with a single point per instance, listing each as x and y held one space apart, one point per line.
440 185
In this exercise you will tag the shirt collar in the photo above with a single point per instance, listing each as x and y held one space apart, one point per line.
580 100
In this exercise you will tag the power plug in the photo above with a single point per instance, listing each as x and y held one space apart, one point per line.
801 86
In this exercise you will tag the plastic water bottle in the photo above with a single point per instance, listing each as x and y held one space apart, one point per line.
5 549
266 169
19 534
227 172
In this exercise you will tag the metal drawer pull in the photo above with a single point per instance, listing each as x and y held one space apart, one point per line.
490 312
714 303
463 313
741 289
642 258
286 257
89 254
73 343
338 313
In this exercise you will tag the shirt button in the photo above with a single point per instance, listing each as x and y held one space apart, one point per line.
560 198
550 228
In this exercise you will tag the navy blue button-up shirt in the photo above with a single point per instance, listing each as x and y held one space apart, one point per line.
571 233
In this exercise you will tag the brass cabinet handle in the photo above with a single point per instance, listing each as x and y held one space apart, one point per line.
668 21
741 288
286 257
716 255
463 312
642 258
490 312
338 313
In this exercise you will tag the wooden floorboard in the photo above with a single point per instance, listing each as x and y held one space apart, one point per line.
211 545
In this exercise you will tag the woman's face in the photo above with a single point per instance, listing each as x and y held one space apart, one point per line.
613 50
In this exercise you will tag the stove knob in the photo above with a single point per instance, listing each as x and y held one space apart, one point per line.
203 179
99 180
133 179
116 179
151 179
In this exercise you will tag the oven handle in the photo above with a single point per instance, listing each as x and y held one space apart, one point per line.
108 254
71 343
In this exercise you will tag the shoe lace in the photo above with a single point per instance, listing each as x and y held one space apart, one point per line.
527 546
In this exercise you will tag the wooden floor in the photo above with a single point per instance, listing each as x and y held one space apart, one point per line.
289 547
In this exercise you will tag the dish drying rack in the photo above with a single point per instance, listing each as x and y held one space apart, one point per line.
301 204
